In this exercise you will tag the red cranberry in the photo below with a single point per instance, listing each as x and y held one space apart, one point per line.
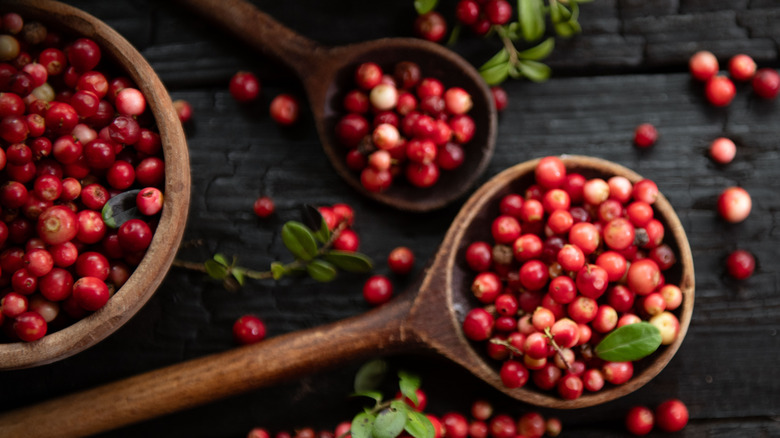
377 290
150 201
430 26
90 293
740 264
720 91
29 326
645 135
639 420
368 75
284 109
134 235
766 83
83 54
742 67
498 12
671 415
734 204
57 224
722 150
467 12
401 260
248 329
703 65
183 110
244 86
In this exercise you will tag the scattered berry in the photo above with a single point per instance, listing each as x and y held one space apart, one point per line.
244 86
703 65
284 109
248 329
722 150
734 204
740 264
766 83
645 135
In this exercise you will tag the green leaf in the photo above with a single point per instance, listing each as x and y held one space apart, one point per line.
215 270
630 342
409 383
362 425
349 261
221 259
299 240
534 70
389 423
278 270
531 15
370 375
513 31
425 6
120 209
498 59
454 35
567 28
321 270
496 74
374 395
540 51
418 425
238 274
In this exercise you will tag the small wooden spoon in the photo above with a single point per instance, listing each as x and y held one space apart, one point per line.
427 317
328 74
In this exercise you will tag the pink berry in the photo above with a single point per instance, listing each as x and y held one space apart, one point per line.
703 65
742 67
722 150
734 204
284 109
720 91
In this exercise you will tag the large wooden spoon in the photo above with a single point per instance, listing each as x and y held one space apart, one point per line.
327 74
426 318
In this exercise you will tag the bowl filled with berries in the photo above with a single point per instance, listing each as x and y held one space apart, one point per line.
575 281
95 181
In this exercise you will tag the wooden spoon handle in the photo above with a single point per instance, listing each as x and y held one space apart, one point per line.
260 31
209 378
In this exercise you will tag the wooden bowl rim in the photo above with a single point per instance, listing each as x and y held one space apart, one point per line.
150 273
487 194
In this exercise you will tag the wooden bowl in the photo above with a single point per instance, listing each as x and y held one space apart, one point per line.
478 214
150 272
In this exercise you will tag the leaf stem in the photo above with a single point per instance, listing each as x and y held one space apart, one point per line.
508 45
265 275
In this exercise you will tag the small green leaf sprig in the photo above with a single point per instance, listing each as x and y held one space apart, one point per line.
310 245
529 30
388 418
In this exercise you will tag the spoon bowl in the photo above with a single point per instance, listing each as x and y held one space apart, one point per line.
425 318
327 74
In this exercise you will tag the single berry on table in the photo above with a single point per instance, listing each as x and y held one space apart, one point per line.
248 329
263 206
645 135
244 86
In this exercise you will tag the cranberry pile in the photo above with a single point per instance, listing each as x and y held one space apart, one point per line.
570 261
403 124
73 135
481 422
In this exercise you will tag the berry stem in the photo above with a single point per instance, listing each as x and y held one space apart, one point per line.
508 346
508 45
558 349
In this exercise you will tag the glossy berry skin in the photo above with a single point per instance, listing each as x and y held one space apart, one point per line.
347 240
720 91
478 325
134 235
284 109
742 67
740 264
244 86
734 204
766 83
30 326
248 329
479 256
57 224
498 12
90 293
703 65
149 201
671 415
722 150
377 290
640 420
645 135
401 260
514 374
430 26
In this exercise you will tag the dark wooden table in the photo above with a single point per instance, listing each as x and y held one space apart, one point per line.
627 67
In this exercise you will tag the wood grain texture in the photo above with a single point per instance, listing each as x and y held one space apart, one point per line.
727 370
